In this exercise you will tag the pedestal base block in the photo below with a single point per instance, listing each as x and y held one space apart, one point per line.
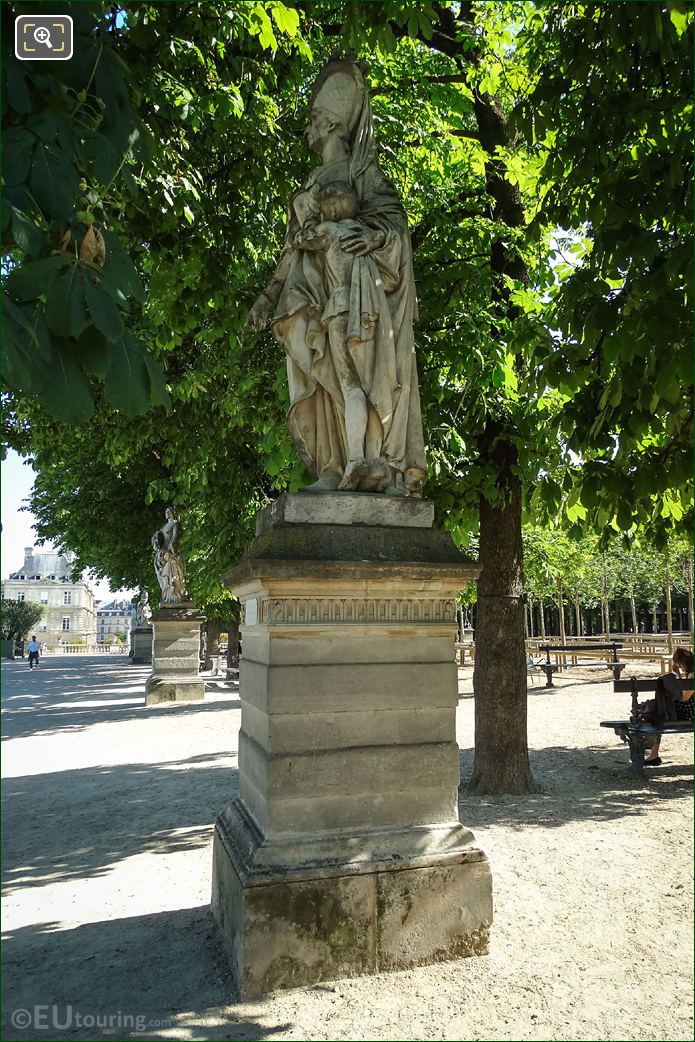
142 646
173 689
285 926
175 651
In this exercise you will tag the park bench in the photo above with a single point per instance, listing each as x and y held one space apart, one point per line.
637 734
549 667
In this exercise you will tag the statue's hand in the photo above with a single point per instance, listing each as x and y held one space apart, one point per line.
257 317
363 242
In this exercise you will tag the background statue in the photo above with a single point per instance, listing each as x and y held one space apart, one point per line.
168 563
344 304
143 615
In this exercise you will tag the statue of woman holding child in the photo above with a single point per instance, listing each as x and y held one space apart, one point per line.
168 563
344 304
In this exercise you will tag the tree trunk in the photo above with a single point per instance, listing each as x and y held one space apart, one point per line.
541 618
501 762
633 609
669 614
561 612
501 750
212 643
578 618
233 646
689 576
530 616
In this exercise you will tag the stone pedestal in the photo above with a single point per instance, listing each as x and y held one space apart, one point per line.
343 854
141 638
175 655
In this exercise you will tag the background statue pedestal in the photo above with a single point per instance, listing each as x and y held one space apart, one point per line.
141 638
343 854
175 655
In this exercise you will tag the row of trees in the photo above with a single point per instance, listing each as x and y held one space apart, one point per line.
581 575
555 324
601 587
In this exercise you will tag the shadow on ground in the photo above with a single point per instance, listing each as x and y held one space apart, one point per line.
588 784
52 700
114 812
116 969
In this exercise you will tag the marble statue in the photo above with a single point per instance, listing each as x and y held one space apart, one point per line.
143 615
343 302
168 563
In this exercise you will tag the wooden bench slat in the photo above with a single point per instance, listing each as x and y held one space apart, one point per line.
670 727
622 686
571 648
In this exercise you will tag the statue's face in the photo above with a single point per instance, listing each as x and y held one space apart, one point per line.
169 513
318 130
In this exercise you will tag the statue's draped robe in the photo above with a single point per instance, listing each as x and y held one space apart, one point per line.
382 310
168 564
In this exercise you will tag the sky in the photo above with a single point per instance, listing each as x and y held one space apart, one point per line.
17 525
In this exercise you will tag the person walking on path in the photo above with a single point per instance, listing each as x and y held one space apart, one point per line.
33 648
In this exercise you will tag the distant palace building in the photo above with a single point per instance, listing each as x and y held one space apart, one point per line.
70 607
114 617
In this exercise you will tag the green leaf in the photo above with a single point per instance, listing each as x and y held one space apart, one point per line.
119 270
263 28
17 153
28 236
29 281
158 390
18 96
99 152
66 313
105 313
679 19
67 395
127 380
45 126
93 352
25 348
286 19
53 181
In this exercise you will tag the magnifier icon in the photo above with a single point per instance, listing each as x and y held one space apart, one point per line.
42 35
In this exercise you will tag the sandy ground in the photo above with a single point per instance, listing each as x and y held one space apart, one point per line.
108 821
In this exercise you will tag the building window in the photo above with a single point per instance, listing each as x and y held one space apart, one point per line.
43 597
43 627
66 622
67 597
21 596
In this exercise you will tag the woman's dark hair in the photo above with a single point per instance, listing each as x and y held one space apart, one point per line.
685 658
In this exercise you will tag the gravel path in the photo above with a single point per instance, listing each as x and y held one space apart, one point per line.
108 811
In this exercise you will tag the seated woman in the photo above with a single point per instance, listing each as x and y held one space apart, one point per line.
676 684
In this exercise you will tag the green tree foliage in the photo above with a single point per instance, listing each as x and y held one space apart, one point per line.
609 113
70 132
19 617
